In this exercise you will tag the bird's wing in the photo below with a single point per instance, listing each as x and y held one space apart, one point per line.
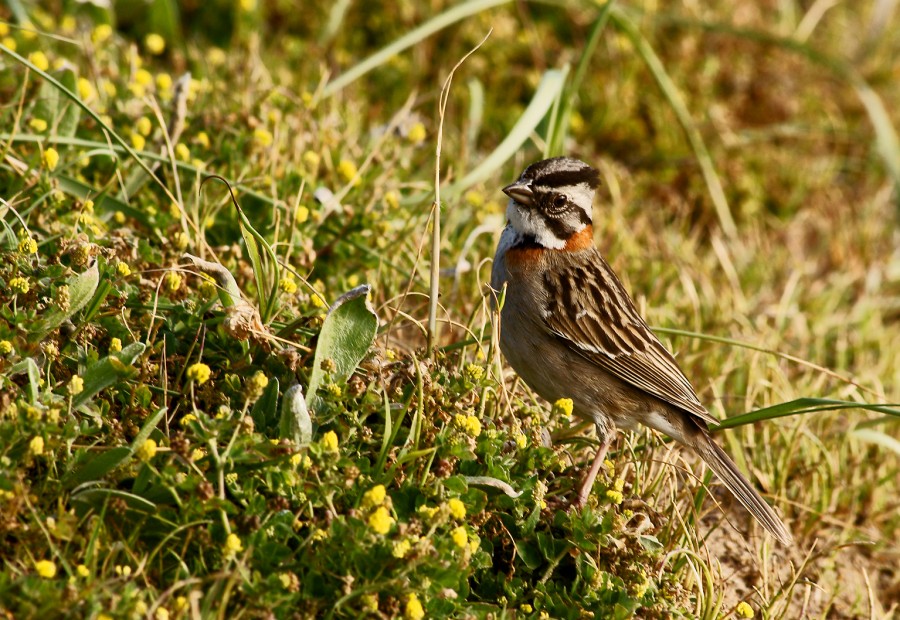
590 311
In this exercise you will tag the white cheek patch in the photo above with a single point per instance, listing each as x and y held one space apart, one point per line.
529 223
582 194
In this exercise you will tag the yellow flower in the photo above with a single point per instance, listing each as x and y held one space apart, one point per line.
417 133
147 450
263 137
233 545
4 29
143 126
381 520
202 138
50 158
614 496
427 513
82 571
172 281
231 478
374 496
329 442
413 609
45 568
39 60
161 614
36 445
256 385
248 6
123 269
198 373
38 124
164 85
473 372
19 285
143 77
370 602
348 171
311 160
401 548
28 246
155 44
287 285
744 610
216 56
302 214
6 347
468 423
76 385
563 407
460 536
525 608
123 570
115 345
392 199
457 508
101 33
182 152
9 43
85 89
521 440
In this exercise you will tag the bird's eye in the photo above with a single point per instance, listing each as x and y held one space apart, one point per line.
559 201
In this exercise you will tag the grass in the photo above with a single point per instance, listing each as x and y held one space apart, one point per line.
187 431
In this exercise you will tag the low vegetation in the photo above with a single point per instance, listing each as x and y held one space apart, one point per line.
220 392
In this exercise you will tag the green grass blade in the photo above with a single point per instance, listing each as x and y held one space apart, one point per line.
802 406
558 131
546 94
676 103
77 101
447 18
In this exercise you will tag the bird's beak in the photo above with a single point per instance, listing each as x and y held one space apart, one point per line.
521 193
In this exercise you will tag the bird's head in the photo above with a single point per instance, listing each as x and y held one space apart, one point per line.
552 201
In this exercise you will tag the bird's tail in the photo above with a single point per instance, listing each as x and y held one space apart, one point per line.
728 472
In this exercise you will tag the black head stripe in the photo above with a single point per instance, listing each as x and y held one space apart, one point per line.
562 171
564 178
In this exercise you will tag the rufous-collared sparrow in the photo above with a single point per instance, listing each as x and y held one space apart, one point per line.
570 330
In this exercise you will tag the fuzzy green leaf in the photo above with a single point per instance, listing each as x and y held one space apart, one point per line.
295 423
103 373
81 290
346 336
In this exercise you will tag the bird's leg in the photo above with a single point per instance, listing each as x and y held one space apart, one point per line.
588 483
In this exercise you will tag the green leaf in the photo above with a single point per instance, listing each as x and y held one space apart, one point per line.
103 373
29 367
346 336
47 104
81 289
97 467
530 554
98 496
265 410
494 483
295 423
69 113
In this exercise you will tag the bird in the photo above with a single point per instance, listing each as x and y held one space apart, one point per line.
569 329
